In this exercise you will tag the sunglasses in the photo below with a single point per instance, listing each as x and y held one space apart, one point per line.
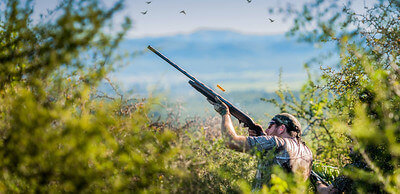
271 123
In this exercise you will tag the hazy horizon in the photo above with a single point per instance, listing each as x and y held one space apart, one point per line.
235 61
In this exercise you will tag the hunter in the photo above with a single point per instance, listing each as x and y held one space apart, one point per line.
282 142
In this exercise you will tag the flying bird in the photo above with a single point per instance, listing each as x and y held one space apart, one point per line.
271 20
183 12
144 12
148 2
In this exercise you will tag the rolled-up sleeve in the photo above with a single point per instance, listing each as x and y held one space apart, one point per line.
262 143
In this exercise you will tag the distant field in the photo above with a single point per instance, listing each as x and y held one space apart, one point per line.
248 101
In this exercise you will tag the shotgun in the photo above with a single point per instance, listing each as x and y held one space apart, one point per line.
210 94
314 178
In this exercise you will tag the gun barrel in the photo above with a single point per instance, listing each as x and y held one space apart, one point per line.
199 83
207 89
172 63
317 177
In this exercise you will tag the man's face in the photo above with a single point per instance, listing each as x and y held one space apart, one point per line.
272 128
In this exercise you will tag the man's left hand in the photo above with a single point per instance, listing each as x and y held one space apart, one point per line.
219 106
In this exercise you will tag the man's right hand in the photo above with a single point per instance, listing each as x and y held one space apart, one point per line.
253 132
325 189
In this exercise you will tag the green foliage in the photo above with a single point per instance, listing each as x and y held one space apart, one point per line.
329 173
80 148
56 134
60 134
211 167
359 96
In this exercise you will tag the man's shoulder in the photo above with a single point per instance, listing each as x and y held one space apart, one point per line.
286 141
292 145
262 142
278 141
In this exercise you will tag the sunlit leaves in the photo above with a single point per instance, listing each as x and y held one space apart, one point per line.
361 109
56 135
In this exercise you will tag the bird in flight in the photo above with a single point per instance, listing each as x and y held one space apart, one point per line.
248 1
183 12
144 12
148 2
271 20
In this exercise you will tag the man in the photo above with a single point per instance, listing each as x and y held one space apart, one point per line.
282 142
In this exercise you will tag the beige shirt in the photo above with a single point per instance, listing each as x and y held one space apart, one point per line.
288 153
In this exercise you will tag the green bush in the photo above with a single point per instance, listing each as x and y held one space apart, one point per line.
56 136
60 134
359 114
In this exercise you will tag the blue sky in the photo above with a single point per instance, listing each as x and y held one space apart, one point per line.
163 17
227 42
249 22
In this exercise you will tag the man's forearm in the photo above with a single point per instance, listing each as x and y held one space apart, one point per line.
227 127
233 140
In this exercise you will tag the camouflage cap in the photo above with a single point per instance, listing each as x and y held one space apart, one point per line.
291 123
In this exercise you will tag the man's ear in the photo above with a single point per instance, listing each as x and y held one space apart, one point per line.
282 129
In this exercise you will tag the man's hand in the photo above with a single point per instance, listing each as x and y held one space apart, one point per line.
325 189
219 106
252 132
